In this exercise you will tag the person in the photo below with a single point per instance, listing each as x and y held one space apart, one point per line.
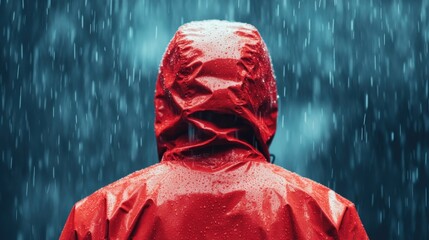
216 112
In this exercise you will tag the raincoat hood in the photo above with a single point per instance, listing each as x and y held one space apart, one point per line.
215 94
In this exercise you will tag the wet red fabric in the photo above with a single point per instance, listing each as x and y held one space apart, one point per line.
216 112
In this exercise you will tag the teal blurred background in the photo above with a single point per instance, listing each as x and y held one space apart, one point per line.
77 84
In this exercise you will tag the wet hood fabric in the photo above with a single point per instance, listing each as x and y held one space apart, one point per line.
215 117
215 93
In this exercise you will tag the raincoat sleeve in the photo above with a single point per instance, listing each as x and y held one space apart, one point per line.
351 226
87 219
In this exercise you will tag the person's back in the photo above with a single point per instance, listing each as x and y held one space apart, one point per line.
216 111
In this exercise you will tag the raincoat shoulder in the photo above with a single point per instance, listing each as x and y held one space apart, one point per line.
319 210
108 213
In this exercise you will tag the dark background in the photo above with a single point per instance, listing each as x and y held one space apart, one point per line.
76 97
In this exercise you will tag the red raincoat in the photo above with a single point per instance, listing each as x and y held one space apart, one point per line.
216 111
